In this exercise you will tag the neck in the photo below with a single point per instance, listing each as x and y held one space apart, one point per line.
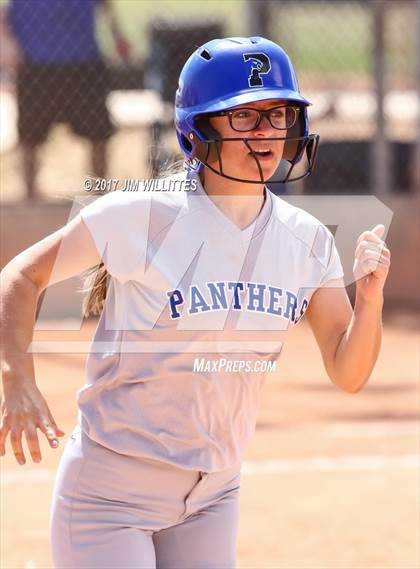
240 202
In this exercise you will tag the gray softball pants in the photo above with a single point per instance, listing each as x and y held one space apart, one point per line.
112 511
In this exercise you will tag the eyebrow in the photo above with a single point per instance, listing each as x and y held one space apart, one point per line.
250 106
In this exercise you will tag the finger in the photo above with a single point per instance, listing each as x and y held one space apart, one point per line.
367 246
379 230
369 266
369 236
382 256
59 432
4 429
380 247
373 266
374 256
370 246
49 432
33 443
384 262
16 442
369 254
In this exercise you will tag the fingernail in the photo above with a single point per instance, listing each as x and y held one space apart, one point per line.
54 444
21 461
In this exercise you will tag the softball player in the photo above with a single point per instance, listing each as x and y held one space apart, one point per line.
202 281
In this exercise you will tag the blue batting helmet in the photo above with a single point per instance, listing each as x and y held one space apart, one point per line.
224 73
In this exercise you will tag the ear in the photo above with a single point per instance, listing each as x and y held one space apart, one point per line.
207 152
293 148
205 127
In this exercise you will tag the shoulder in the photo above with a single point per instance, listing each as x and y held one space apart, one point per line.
127 221
298 221
304 229
137 198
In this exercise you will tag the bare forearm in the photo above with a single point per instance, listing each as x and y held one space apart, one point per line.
109 11
359 346
19 296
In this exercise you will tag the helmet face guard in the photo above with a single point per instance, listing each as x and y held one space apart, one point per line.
226 73
298 150
284 173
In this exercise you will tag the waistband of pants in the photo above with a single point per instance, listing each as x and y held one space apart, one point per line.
220 476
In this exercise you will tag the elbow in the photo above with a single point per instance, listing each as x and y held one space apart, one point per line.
353 390
351 380
350 385
14 279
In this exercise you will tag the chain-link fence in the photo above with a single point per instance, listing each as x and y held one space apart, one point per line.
358 62
88 86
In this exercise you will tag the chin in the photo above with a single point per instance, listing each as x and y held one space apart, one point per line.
251 173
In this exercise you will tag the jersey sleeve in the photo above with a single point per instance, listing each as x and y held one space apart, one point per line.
116 223
333 269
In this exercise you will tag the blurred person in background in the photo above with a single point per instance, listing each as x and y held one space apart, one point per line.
60 75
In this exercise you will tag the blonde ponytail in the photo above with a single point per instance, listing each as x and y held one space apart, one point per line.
95 283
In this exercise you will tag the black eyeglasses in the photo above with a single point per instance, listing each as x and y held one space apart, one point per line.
247 118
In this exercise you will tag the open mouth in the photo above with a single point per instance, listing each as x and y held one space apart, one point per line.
263 154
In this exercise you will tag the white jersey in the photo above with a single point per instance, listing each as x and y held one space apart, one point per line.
189 289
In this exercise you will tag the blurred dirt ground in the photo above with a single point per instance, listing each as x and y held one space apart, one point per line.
330 480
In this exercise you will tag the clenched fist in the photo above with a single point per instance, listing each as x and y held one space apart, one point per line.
371 264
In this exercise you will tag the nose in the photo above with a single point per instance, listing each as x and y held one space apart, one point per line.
264 128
